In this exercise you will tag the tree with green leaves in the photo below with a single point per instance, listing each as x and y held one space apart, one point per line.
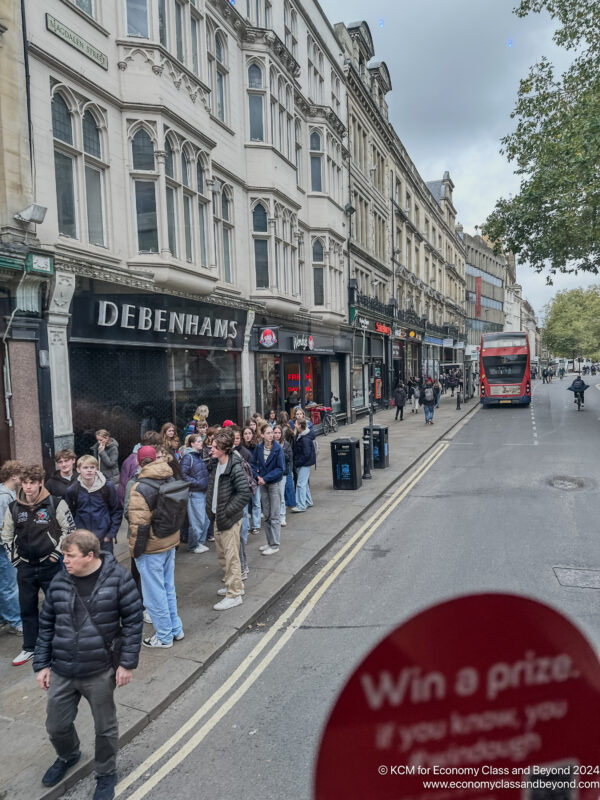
572 324
554 221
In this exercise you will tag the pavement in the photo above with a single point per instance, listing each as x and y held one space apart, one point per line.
164 675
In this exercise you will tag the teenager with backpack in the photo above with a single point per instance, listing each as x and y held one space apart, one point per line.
155 518
94 503
428 398
34 525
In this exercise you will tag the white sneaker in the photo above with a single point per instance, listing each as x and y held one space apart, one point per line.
201 548
179 636
263 547
283 523
270 551
245 573
154 641
228 602
223 592
147 617
23 657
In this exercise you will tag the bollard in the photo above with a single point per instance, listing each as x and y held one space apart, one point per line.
458 399
367 459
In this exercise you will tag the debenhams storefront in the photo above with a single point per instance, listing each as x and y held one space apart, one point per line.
138 360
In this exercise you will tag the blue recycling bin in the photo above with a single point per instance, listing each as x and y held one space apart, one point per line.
381 447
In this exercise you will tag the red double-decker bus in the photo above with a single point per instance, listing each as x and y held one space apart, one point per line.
504 362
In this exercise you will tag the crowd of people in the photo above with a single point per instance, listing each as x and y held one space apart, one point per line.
218 483
425 393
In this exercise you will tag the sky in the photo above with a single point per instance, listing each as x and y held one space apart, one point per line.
455 67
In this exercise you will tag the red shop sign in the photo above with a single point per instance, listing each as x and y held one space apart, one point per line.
381 328
496 693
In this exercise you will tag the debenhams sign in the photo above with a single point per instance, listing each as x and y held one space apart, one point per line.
158 319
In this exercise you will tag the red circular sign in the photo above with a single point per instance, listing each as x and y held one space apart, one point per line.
489 695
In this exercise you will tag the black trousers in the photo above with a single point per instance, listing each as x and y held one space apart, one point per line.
30 579
399 410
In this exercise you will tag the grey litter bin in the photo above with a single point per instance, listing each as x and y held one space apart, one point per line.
345 463
381 448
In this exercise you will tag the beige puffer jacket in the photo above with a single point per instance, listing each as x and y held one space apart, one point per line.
140 514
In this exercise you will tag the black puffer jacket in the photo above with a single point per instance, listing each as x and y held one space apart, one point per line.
116 609
233 493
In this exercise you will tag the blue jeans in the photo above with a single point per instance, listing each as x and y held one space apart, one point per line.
157 571
245 529
198 520
9 591
256 508
303 498
428 412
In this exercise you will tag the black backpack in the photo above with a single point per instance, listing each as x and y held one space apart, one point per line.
168 504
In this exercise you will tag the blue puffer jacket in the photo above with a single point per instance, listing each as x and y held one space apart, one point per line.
304 450
194 470
271 470
97 509
116 610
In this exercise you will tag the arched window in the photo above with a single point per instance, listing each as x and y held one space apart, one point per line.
318 274
316 162
256 99
171 196
202 206
217 72
298 148
142 151
223 232
261 246
91 135
62 127
77 205
169 161
259 219
219 49
255 77
185 169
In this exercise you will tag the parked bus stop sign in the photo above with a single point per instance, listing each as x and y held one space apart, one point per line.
483 696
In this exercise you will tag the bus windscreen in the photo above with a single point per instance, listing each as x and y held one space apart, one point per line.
505 369
504 340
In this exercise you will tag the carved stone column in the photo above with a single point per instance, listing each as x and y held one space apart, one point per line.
59 305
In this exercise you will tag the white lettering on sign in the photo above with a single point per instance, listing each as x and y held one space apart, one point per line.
421 688
163 321
108 313
145 319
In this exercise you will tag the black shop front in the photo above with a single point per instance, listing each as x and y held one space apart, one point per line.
140 360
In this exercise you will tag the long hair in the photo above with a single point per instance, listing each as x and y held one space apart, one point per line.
172 442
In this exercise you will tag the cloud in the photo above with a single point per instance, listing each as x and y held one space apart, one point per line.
455 81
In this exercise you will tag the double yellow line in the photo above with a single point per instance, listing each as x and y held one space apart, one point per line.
307 599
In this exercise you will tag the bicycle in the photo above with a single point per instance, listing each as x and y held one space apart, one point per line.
328 419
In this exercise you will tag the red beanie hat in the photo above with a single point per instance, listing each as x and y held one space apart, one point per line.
146 452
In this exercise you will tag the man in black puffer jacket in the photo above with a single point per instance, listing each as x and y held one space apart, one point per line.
89 641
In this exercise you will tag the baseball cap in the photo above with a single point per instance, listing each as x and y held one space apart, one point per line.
227 423
146 452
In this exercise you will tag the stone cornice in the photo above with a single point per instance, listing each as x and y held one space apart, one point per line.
275 47
319 113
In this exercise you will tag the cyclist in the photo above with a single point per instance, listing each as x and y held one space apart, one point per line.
578 387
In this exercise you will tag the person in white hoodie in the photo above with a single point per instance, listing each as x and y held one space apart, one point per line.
10 611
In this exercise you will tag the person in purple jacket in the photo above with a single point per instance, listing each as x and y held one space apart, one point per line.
195 473
130 466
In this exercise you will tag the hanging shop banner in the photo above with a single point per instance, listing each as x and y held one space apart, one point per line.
478 297
155 319
433 340
483 696
448 342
